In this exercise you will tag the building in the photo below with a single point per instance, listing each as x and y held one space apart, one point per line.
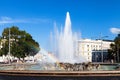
2 42
5 58
94 50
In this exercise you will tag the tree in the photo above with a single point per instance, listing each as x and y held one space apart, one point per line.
22 44
117 46
114 51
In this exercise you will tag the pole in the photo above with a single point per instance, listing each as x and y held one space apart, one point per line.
9 47
102 53
101 47
101 50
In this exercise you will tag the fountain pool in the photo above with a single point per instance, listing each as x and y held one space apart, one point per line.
56 67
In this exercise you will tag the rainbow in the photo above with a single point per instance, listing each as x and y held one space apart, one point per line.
53 58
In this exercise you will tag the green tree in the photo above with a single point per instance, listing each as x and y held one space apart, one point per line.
117 46
22 44
114 51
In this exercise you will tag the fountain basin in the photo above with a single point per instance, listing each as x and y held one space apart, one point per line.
34 72
61 66
58 75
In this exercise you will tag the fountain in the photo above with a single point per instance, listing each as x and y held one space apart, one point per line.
66 58
65 43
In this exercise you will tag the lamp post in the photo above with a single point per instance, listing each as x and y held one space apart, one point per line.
9 48
102 55
102 51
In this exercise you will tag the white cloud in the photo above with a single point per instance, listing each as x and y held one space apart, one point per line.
5 18
8 20
115 30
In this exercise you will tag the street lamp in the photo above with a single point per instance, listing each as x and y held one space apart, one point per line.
4 37
102 55
9 48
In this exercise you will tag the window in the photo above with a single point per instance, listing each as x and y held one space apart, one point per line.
88 49
88 53
87 45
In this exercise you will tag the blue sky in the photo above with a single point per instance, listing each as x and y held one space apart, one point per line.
37 17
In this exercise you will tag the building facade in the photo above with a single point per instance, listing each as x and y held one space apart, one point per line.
94 50
2 42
